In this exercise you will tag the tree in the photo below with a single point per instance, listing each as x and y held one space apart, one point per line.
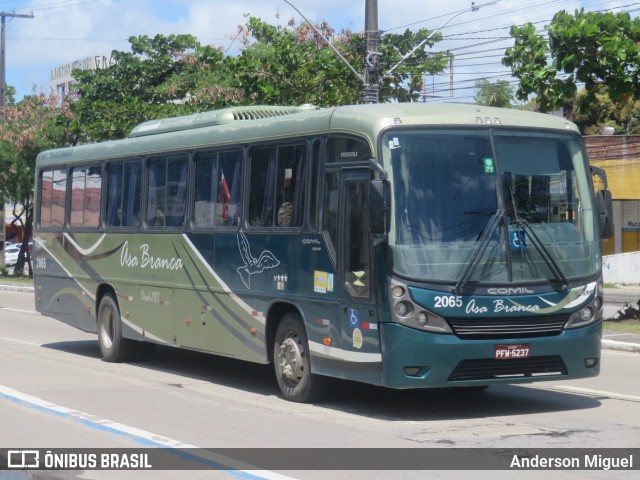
293 65
594 49
160 77
174 75
604 112
498 94
11 95
32 125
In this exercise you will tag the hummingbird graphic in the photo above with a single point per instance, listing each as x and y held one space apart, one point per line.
253 265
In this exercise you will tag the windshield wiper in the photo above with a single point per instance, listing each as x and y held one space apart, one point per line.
496 220
544 253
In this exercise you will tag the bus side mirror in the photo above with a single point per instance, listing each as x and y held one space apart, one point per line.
605 213
603 202
379 207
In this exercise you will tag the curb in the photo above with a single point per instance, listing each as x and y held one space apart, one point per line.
17 288
620 346
606 344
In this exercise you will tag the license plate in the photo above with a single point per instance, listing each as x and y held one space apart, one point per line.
506 352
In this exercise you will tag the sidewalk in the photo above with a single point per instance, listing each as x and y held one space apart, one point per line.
615 298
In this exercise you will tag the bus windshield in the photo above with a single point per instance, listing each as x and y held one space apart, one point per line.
498 206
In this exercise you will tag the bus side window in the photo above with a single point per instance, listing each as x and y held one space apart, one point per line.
217 189
276 197
290 190
58 198
86 191
124 183
261 186
229 204
167 195
46 198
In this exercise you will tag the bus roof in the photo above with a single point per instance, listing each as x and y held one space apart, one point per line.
263 123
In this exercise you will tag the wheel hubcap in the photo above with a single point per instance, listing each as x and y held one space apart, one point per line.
291 362
107 327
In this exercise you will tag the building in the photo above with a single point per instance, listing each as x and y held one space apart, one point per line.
61 79
619 156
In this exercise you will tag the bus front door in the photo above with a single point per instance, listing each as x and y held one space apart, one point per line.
360 333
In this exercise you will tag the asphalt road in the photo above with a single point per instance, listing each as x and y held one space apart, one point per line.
55 392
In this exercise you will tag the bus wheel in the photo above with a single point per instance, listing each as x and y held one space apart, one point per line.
113 346
291 360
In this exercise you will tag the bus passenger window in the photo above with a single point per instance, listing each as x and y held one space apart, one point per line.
167 195
124 182
290 191
86 190
277 186
46 195
58 199
261 187
53 194
217 189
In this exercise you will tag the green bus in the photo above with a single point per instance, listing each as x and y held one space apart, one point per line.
402 245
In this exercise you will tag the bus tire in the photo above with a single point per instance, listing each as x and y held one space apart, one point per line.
113 346
292 361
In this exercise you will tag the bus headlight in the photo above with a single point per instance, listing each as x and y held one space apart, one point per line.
410 314
586 315
422 319
590 313
402 309
397 291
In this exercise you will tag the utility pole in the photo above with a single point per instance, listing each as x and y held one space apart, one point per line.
371 88
3 71
371 78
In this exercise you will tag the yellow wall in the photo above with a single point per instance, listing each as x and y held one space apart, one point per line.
619 157
630 241
608 246
623 177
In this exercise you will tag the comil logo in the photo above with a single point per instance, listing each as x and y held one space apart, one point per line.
23 459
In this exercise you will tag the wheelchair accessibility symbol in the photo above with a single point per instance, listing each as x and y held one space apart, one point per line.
354 317
517 241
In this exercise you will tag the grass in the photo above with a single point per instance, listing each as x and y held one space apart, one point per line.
625 326
15 279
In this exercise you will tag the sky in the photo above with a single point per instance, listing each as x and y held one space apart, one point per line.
63 31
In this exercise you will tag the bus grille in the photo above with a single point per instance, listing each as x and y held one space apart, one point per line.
498 328
487 369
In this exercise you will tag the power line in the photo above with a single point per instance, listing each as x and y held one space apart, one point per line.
61 4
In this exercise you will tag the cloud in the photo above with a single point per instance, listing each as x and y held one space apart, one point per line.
81 28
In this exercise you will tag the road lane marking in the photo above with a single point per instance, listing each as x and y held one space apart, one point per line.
142 437
19 310
23 342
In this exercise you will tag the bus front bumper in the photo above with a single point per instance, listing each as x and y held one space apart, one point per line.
415 359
